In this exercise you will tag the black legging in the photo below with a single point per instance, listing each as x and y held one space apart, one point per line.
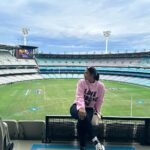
83 126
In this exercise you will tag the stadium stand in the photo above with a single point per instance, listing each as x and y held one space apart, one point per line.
103 60
63 128
6 59
131 68
14 70
110 129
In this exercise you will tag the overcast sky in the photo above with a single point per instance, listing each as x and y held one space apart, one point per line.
76 25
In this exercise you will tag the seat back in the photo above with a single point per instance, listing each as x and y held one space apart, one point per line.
13 129
31 130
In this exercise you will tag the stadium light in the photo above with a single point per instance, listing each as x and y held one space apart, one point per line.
106 35
25 32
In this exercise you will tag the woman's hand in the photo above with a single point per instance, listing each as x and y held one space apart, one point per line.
82 113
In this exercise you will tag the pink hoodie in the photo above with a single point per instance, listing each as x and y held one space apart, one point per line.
89 94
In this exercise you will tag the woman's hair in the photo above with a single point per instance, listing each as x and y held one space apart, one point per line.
93 72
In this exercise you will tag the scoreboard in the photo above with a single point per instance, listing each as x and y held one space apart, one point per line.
25 52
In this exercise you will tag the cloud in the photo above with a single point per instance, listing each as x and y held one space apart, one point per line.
77 24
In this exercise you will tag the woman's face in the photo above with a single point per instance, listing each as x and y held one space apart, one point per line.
88 76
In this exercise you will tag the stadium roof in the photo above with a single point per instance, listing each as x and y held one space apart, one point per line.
7 47
11 47
27 46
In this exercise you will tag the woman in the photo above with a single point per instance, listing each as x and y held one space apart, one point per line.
89 99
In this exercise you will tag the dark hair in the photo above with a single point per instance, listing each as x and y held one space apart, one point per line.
93 72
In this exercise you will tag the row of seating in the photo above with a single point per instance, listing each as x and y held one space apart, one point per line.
122 62
140 70
134 72
26 130
17 71
70 68
6 59
17 78
66 130
133 80
63 76
110 129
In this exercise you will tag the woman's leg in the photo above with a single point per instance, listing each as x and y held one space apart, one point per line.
81 132
85 126
74 111
80 125
88 123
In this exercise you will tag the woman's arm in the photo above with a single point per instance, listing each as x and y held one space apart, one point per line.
100 100
80 95
80 100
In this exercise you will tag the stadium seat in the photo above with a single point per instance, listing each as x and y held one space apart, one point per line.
119 132
139 134
5 143
1 136
13 129
98 131
62 131
31 130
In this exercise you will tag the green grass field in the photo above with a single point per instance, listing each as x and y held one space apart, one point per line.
32 100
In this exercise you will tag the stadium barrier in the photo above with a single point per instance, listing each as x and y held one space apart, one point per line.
110 129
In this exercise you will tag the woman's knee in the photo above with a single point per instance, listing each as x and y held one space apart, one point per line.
74 111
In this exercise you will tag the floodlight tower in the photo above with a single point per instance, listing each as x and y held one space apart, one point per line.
25 32
106 35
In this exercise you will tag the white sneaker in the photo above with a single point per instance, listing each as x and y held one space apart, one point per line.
99 146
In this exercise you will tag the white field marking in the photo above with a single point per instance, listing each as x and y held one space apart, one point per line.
27 92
